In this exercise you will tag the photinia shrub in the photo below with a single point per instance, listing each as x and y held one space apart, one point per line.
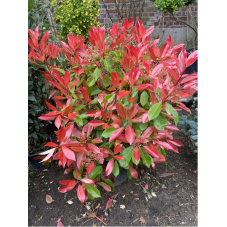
117 102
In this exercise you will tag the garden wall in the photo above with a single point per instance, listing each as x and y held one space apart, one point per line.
163 22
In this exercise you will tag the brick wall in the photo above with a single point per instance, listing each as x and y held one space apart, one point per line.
163 22
150 14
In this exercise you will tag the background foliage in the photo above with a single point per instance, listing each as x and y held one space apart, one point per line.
76 16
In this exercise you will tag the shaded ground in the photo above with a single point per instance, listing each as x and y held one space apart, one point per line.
175 203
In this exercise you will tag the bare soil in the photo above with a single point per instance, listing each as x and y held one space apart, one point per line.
173 202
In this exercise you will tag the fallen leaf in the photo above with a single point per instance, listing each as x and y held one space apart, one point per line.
153 194
91 214
194 171
123 196
142 220
122 206
101 218
97 206
136 220
60 224
45 170
157 219
166 174
49 199
146 186
109 204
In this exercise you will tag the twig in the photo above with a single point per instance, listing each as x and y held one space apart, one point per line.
181 21
107 11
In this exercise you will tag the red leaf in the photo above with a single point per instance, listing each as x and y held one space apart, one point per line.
109 204
119 157
68 153
131 100
116 119
61 134
67 78
50 106
68 187
51 144
130 134
87 181
60 224
117 148
164 144
74 83
148 132
57 121
93 148
65 182
133 172
85 94
80 159
136 154
152 151
46 117
122 94
172 127
81 193
105 186
175 142
90 167
67 171
109 167
192 58
157 69
96 140
68 131
96 123
121 110
146 186
116 133
66 48
72 116
134 110
115 79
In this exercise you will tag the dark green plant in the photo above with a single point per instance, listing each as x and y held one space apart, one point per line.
189 125
172 6
76 16
37 94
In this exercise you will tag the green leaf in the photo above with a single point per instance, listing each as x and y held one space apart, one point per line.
60 70
95 172
109 182
154 111
95 92
106 81
96 74
144 98
129 176
108 132
93 191
90 82
160 122
162 151
143 126
79 107
171 111
127 154
147 159
32 98
107 64
109 97
116 170
79 121
30 5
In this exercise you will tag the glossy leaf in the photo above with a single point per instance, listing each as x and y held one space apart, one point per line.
105 186
133 172
121 110
81 194
116 170
154 111
144 98
109 204
160 122
109 167
136 154
171 111
130 134
95 172
93 191
115 134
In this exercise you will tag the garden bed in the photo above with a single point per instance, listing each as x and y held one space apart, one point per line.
175 203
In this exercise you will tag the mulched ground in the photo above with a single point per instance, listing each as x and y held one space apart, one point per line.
175 203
